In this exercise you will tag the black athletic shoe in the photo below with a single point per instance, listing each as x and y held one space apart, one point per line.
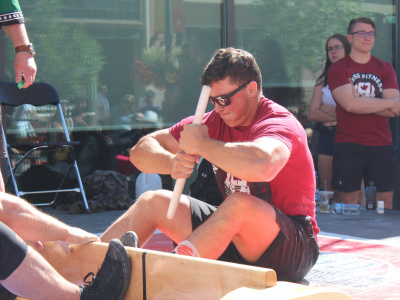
112 280
130 239
6 294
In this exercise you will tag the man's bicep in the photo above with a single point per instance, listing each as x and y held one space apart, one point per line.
273 145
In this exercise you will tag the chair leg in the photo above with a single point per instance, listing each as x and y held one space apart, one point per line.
71 165
12 177
78 176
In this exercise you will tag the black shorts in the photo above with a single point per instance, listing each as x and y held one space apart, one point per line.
291 255
12 251
352 163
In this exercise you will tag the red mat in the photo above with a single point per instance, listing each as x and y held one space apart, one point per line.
363 270
159 242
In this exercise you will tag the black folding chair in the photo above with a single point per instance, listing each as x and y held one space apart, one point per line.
30 135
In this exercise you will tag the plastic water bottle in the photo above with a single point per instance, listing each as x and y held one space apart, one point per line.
317 187
370 196
346 209
147 182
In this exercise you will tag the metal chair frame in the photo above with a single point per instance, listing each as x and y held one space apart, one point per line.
39 94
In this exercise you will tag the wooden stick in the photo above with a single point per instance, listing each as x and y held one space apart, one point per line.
180 183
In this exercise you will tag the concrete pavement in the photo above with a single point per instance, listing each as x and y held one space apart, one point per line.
380 228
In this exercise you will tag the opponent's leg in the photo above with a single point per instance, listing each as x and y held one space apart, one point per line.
244 219
36 279
150 213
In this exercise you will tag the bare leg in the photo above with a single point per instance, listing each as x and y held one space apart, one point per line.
33 225
325 174
387 197
325 171
350 197
150 213
361 196
36 279
246 220
353 198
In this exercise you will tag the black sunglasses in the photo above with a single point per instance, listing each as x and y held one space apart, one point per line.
224 100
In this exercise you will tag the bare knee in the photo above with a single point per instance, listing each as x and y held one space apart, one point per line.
238 204
151 202
239 200
149 199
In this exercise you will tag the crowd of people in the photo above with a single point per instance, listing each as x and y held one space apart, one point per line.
260 157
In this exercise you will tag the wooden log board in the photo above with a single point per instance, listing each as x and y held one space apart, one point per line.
166 276
171 276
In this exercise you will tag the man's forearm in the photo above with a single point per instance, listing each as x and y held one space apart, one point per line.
17 34
150 157
329 110
386 113
364 104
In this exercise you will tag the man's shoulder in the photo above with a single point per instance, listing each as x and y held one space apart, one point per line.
269 110
380 62
376 59
338 67
340 64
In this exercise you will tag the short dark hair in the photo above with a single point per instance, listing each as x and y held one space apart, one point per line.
236 64
365 20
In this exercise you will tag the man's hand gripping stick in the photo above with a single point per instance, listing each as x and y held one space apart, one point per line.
180 183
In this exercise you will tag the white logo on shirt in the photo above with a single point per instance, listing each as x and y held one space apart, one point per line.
366 88
235 185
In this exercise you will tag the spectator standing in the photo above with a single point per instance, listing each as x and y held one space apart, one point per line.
102 106
363 142
322 108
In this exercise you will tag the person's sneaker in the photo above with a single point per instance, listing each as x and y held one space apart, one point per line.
112 280
130 239
6 294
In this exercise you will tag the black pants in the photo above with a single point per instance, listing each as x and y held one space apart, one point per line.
12 251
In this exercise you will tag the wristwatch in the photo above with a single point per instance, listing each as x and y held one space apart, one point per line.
26 48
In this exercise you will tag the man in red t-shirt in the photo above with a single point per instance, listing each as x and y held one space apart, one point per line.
366 91
263 167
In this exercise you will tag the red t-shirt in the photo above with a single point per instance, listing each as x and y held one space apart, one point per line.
292 191
369 79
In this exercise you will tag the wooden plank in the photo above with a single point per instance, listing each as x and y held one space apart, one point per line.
167 276
287 291
170 276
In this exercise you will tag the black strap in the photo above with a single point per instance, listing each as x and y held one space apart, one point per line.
144 274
